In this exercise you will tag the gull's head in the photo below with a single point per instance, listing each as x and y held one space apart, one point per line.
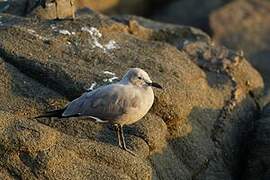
139 78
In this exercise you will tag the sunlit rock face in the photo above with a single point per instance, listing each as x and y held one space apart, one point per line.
246 29
197 128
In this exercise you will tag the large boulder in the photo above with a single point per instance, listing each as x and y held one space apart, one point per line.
196 129
247 29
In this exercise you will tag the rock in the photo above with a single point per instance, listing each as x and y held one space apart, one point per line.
16 7
65 9
258 152
188 12
21 95
195 129
132 7
32 150
45 9
138 7
4 5
116 6
98 5
247 29
57 9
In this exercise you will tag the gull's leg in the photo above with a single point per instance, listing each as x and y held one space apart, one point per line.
123 141
122 137
117 129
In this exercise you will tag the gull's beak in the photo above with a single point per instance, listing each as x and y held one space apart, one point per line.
156 85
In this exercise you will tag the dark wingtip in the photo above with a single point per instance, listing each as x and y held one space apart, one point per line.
54 113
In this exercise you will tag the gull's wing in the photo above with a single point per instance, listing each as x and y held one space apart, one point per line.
106 103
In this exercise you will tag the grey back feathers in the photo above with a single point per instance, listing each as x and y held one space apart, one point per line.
124 102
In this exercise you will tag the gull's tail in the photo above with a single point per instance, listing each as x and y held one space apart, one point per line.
55 113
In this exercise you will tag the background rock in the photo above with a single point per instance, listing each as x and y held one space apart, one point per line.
67 7
247 29
188 12
197 128
59 9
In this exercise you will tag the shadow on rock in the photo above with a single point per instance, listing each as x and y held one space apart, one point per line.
215 146
257 163
260 60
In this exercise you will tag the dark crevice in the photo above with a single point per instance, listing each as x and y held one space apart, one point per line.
204 166
15 173
29 161
256 101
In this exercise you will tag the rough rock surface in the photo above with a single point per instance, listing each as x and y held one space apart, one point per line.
247 29
196 129
57 9
258 166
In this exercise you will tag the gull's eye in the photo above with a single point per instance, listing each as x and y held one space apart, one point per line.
140 78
